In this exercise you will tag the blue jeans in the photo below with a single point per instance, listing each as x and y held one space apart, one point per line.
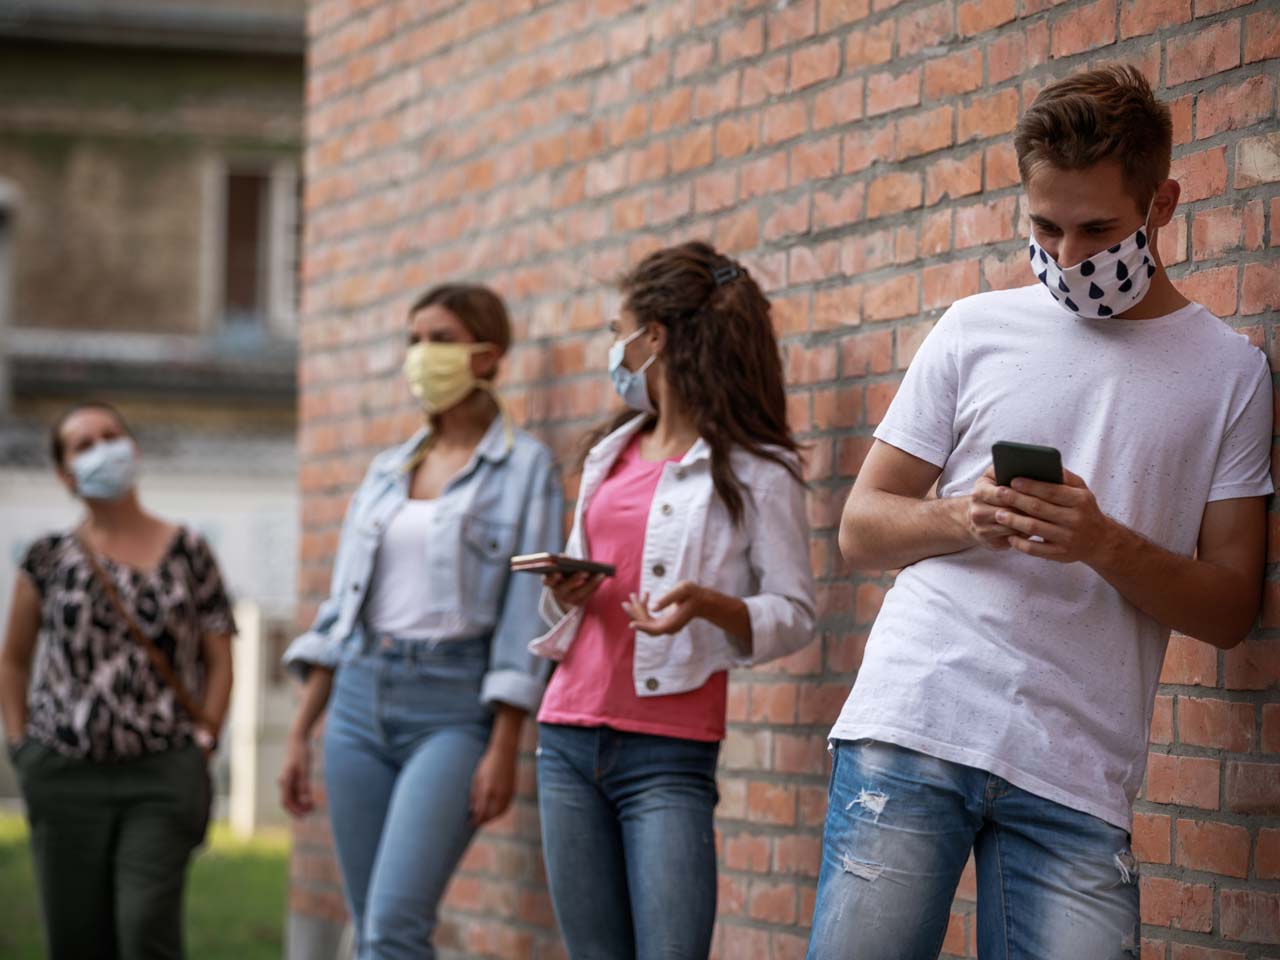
1053 883
628 835
405 732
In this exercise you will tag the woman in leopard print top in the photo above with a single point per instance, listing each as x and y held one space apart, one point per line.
113 769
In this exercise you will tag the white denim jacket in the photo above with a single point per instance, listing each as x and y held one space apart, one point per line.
690 536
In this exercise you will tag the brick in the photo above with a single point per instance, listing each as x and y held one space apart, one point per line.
815 160
693 58
1235 106
985 223
922 133
1215 288
1215 232
772 901
813 263
1266 854
1260 288
1190 781
866 353
1187 951
735 137
988 116
814 64
763 80
862 148
838 105
1253 788
838 13
944 284
838 208
1203 53
788 219
1250 916
887 92
1084 27
1162 720
1271 727
672 110
952 177
893 193
1151 833
953 74
791 24
784 121
1257 162
975 17
890 299
925 27
764 175
1262 36
771 803
1002 167
868 46
1252 665
1141 17
742 41
714 191
1171 903
1219 724
1204 174
1213 847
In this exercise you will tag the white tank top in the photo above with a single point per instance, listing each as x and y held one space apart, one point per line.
400 591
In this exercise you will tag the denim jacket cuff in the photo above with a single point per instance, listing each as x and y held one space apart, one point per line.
312 649
513 687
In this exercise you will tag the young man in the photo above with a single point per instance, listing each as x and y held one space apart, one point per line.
1004 701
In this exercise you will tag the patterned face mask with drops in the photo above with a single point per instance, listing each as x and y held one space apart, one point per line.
1103 285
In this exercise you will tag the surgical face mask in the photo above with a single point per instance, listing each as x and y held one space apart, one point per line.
107 470
439 374
630 384
1105 284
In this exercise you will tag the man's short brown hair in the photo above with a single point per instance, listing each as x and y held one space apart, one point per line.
1110 113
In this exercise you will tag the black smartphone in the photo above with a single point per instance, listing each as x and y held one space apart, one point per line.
558 563
1028 460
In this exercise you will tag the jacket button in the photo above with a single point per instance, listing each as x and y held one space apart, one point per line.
659 570
355 588
651 684
680 474
666 509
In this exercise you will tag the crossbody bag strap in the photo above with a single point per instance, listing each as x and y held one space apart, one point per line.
153 653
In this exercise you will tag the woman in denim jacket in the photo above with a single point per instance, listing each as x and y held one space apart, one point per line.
699 504
422 645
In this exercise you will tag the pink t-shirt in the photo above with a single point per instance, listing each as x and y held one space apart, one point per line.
594 685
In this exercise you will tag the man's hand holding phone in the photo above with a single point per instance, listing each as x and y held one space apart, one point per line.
1030 513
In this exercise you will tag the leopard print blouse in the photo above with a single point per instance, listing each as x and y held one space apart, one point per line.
94 693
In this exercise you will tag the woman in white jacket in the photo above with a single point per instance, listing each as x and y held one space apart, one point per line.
696 497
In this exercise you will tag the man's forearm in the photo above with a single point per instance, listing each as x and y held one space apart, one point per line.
885 531
1207 601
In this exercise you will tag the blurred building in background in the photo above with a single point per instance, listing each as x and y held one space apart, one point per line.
150 155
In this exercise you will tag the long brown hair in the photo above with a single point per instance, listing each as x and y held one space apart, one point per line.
721 357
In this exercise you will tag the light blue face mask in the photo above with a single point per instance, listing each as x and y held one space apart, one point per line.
630 384
106 471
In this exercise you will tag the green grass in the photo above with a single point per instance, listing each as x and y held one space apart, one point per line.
235 897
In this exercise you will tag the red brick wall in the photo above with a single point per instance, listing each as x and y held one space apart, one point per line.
855 154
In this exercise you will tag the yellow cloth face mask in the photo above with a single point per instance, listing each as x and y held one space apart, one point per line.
439 374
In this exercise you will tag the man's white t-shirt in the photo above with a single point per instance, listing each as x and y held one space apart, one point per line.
1036 671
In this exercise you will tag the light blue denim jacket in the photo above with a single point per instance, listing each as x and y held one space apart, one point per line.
506 501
